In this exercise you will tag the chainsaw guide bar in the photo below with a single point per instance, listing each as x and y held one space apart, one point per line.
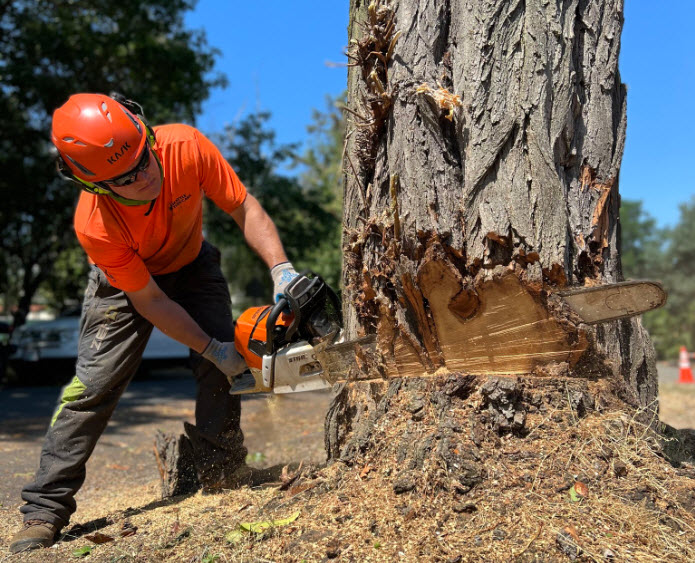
614 301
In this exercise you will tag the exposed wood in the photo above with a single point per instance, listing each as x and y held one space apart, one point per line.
510 332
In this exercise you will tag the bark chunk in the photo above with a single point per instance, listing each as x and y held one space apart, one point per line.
176 464
503 401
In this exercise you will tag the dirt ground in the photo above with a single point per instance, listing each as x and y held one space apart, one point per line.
122 469
122 472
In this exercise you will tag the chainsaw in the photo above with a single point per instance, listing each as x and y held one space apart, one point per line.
287 345
297 344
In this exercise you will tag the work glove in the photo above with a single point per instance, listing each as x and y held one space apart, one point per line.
226 358
282 275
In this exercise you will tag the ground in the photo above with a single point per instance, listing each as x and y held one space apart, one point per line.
340 509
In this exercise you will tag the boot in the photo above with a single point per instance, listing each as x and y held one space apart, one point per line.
34 535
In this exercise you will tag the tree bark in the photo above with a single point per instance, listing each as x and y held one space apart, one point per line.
176 463
482 163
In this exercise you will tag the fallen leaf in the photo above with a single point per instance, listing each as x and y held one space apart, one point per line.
581 489
234 537
258 528
264 526
365 471
574 496
128 529
99 538
572 531
83 551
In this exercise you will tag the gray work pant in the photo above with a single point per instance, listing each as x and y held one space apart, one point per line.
113 337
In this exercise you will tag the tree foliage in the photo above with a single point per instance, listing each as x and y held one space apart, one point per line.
641 241
305 207
323 174
667 255
680 275
50 49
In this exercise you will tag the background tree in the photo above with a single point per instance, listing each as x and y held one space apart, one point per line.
681 263
642 242
322 173
665 255
304 207
49 50
643 256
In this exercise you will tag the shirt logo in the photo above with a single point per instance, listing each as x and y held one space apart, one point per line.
105 272
178 201
124 149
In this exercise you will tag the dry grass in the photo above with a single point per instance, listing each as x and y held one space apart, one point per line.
636 507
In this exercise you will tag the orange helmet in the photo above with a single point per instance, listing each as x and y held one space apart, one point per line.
97 137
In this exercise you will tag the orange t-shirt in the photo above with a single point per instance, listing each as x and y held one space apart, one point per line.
129 246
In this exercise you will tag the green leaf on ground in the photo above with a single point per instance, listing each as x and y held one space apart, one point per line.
264 526
256 457
574 496
234 537
257 528
82 551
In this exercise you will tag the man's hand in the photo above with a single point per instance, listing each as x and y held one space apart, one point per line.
226 358
282 275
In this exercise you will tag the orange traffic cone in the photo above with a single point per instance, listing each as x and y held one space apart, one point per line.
686 374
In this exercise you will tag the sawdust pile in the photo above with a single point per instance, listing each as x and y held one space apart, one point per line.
578 485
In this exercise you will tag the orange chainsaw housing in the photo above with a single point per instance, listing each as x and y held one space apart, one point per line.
251 336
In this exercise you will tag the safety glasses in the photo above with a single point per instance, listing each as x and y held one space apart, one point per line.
131 176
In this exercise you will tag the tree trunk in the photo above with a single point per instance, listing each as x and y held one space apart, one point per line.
482 163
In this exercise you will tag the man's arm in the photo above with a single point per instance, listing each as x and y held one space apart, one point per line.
259 231
172 319
168 316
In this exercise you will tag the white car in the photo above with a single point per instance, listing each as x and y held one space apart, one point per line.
51 346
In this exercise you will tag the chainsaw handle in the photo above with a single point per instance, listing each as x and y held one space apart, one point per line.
301 297
275 312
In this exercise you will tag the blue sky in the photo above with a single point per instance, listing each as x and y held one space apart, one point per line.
277 57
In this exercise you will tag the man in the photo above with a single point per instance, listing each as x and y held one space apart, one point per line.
139 219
